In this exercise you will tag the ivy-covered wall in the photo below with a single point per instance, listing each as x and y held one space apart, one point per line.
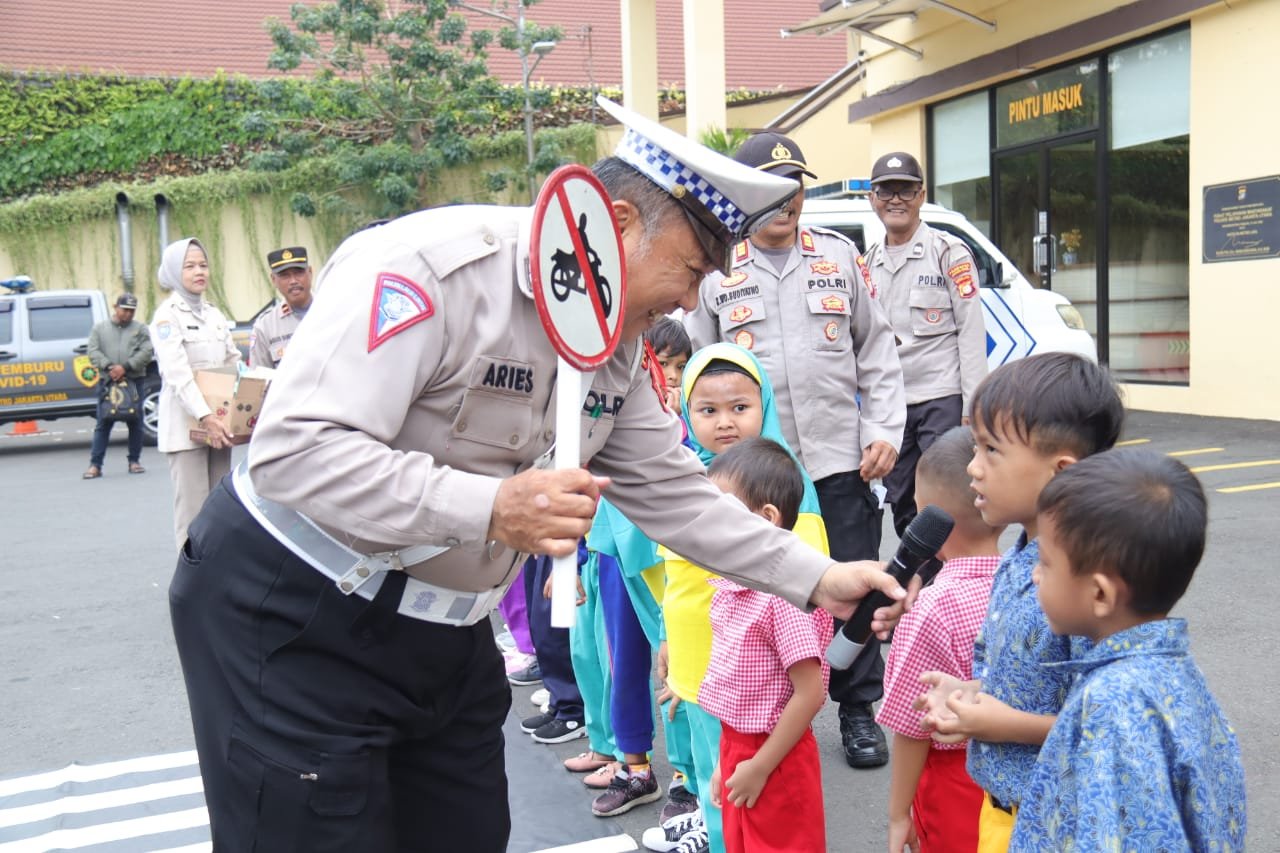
71 239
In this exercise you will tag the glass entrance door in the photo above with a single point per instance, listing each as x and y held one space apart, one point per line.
1047 220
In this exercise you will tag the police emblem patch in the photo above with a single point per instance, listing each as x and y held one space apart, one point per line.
739 314
397 304
833 303
734 280
831 330
164 329
744 339
866 275
933 316
964 285
824 268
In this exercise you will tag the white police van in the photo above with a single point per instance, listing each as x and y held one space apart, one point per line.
1020 319
45 372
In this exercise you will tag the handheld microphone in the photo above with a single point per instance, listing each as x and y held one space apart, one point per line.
922 539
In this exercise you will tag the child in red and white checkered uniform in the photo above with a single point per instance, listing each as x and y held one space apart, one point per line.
931 797
767 679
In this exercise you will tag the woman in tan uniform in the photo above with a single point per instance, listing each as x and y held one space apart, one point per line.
190 334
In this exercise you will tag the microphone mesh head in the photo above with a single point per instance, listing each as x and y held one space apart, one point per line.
928 531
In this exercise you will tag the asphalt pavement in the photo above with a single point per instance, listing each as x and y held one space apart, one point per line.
90 673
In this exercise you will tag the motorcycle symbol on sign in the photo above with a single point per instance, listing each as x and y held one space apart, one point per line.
566 272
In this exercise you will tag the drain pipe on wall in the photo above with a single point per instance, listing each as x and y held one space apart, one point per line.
126 241
162 220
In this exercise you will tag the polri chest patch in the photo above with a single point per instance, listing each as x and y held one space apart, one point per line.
398 303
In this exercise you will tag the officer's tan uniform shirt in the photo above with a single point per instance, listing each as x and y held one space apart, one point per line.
184 344
271 334
405 442
930 293
822 339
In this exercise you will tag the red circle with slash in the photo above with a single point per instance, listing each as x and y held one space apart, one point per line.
577 267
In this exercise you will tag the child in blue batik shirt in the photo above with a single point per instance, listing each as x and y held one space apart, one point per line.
1032 419
1141 756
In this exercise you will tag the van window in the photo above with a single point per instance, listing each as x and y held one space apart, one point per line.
6 321
989 272
59 318
853 232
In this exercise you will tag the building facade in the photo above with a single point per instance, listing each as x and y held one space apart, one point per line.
1117 153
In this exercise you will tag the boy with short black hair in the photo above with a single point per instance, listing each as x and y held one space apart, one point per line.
1141 756
933 804
672 349
1031 419
767 678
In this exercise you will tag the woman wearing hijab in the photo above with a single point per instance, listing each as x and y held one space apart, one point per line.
190 334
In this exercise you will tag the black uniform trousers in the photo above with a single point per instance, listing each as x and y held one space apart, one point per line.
327 722
853 519
925 422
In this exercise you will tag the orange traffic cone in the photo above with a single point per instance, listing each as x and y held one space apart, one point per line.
24 428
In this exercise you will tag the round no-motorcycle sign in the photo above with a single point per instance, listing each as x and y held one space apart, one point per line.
576 264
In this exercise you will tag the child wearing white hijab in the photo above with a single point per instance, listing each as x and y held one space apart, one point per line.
189 334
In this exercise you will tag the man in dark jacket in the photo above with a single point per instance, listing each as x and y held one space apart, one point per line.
120 348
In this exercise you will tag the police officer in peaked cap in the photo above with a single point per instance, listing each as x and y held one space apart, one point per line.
799 297
927 281
331 602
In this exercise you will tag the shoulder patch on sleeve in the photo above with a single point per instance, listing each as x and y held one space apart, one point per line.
398 303
163 329
865 270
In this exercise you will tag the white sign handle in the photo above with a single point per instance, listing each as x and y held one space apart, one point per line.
564 570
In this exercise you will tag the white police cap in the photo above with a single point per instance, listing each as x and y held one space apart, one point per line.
725 201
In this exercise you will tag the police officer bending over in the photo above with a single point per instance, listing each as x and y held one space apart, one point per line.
330 606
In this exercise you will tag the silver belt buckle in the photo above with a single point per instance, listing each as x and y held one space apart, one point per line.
367 567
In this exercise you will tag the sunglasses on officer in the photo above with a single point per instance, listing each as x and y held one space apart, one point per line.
905 193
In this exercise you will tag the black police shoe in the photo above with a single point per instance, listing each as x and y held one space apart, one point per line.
864 744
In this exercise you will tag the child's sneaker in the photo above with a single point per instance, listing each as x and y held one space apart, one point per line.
559 731
528 674
680 801
666 837
694 841
540 697
529 725
602 777
625 792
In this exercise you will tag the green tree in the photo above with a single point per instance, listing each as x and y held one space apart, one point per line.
399 89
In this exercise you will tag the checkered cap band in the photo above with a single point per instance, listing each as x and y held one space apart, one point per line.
667 172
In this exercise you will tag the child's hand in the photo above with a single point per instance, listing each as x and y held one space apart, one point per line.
976 716
715 787
902 835
743 788
938 687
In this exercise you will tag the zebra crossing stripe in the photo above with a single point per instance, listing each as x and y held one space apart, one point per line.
95 772
154 803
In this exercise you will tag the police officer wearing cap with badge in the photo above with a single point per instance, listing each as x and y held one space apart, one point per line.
291 275
798 298
331 603
927 281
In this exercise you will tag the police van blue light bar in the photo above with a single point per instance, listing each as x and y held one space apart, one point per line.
840 189
18 284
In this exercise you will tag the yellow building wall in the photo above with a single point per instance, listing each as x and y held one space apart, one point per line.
1234 370
833 148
